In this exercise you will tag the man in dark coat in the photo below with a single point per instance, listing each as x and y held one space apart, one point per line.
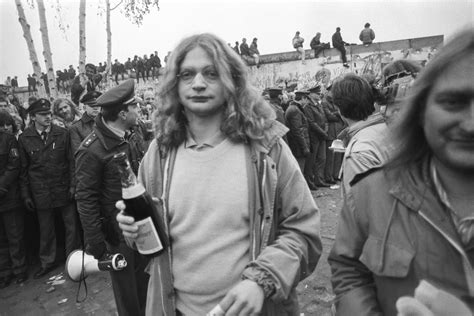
338 44
335 125
321 120
12 248
46 181
298 137
80 129
99 188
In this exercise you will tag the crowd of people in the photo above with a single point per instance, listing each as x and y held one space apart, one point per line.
146 67
242 246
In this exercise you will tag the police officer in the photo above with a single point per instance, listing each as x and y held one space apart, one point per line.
83 127
12 248
46 179
99 187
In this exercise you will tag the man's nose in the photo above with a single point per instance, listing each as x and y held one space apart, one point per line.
199 82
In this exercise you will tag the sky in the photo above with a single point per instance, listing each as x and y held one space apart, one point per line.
273 22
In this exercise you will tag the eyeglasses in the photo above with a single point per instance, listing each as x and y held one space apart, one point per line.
210 75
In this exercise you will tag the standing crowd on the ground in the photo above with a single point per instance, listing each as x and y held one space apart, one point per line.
403 151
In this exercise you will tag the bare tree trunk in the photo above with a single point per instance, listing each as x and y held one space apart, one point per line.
31 47
82 36
47 49
108 72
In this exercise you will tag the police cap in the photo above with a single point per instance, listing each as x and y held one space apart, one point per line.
123 94
301 93
90 98
316 89
39 106
274 92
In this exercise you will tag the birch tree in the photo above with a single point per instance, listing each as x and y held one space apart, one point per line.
31 46
82 36
135 10
108 72
47 49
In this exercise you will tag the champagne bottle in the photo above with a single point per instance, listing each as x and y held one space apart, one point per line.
151 239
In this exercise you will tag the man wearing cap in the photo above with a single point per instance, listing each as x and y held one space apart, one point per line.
275 101
310 171
83 127
99 187
318 135
46 179
298 136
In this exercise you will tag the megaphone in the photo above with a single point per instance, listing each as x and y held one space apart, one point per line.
79 264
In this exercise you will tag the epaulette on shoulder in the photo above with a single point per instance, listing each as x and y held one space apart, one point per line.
361 176
89 139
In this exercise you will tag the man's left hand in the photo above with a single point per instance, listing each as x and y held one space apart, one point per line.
246 298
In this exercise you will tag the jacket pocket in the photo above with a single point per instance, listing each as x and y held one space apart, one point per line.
395 262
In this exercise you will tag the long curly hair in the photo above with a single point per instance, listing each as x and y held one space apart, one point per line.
408 135
246 116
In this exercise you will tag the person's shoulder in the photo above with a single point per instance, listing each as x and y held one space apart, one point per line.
369 177
7 137
89 141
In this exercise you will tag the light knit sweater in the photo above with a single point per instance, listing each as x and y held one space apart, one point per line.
209 224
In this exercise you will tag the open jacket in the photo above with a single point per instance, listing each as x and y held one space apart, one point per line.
394 232
284 225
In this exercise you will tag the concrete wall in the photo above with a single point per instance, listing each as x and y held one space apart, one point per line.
286 69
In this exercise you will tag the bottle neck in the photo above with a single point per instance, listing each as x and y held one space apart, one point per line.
133 191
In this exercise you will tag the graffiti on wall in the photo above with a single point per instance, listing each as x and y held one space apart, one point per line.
293 75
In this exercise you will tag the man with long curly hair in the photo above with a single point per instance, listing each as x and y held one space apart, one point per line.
242 225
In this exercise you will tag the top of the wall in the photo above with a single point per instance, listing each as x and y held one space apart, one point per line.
412 43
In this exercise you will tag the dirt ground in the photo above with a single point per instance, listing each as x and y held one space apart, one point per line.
56 295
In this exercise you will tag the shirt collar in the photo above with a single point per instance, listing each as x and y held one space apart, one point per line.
190 142
47 130
114 130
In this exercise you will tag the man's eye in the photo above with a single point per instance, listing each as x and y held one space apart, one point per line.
211 74
186 75
451 102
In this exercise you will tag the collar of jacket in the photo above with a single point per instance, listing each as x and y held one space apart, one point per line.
105 135
31 131
373 119
86 118
275 131
414 188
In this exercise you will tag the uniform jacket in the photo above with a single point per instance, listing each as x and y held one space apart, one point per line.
284 223
79 130
335 122
298 136
9 173
46 168
98 185
394 232
317 122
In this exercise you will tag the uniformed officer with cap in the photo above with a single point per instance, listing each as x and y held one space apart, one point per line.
46 181
99 188
275 102
12 246
83 127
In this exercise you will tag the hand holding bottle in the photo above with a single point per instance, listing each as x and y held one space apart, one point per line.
126 223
